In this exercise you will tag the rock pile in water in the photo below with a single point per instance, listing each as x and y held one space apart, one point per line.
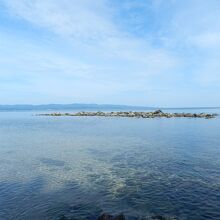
155 114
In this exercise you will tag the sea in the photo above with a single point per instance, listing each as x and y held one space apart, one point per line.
76 168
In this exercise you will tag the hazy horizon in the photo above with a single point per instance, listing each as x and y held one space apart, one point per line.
108 104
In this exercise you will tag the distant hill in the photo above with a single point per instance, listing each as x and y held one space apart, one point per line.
74 106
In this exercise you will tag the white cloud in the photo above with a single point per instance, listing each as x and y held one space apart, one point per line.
194 23
89 24
207 40
194 32
77 19
106 60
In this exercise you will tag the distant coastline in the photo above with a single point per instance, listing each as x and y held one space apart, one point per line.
74 106
79 106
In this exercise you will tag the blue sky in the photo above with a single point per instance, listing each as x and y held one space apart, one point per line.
137 52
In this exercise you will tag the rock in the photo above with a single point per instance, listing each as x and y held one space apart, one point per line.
56 114
158 217
158 112
119 217
99 113
106 216
63 218
131 114
208 116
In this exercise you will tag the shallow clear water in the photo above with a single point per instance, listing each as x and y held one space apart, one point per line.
81 166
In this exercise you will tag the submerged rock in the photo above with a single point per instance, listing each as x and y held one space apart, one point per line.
106 216
157 217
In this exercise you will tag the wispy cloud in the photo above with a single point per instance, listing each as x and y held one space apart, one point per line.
77 19
108 48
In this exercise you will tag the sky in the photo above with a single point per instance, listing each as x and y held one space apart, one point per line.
162 53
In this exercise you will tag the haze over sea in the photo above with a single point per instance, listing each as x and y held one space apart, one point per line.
78 167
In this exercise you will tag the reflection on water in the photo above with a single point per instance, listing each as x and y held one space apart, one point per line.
80 167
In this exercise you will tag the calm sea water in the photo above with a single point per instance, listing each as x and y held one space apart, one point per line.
79 167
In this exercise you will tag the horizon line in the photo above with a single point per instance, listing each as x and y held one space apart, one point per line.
122 105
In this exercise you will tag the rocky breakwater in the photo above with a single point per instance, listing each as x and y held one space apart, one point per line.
155 114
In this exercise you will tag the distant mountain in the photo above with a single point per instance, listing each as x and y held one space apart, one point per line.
75 106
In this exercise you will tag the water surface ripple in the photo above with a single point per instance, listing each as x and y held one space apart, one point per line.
80 167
